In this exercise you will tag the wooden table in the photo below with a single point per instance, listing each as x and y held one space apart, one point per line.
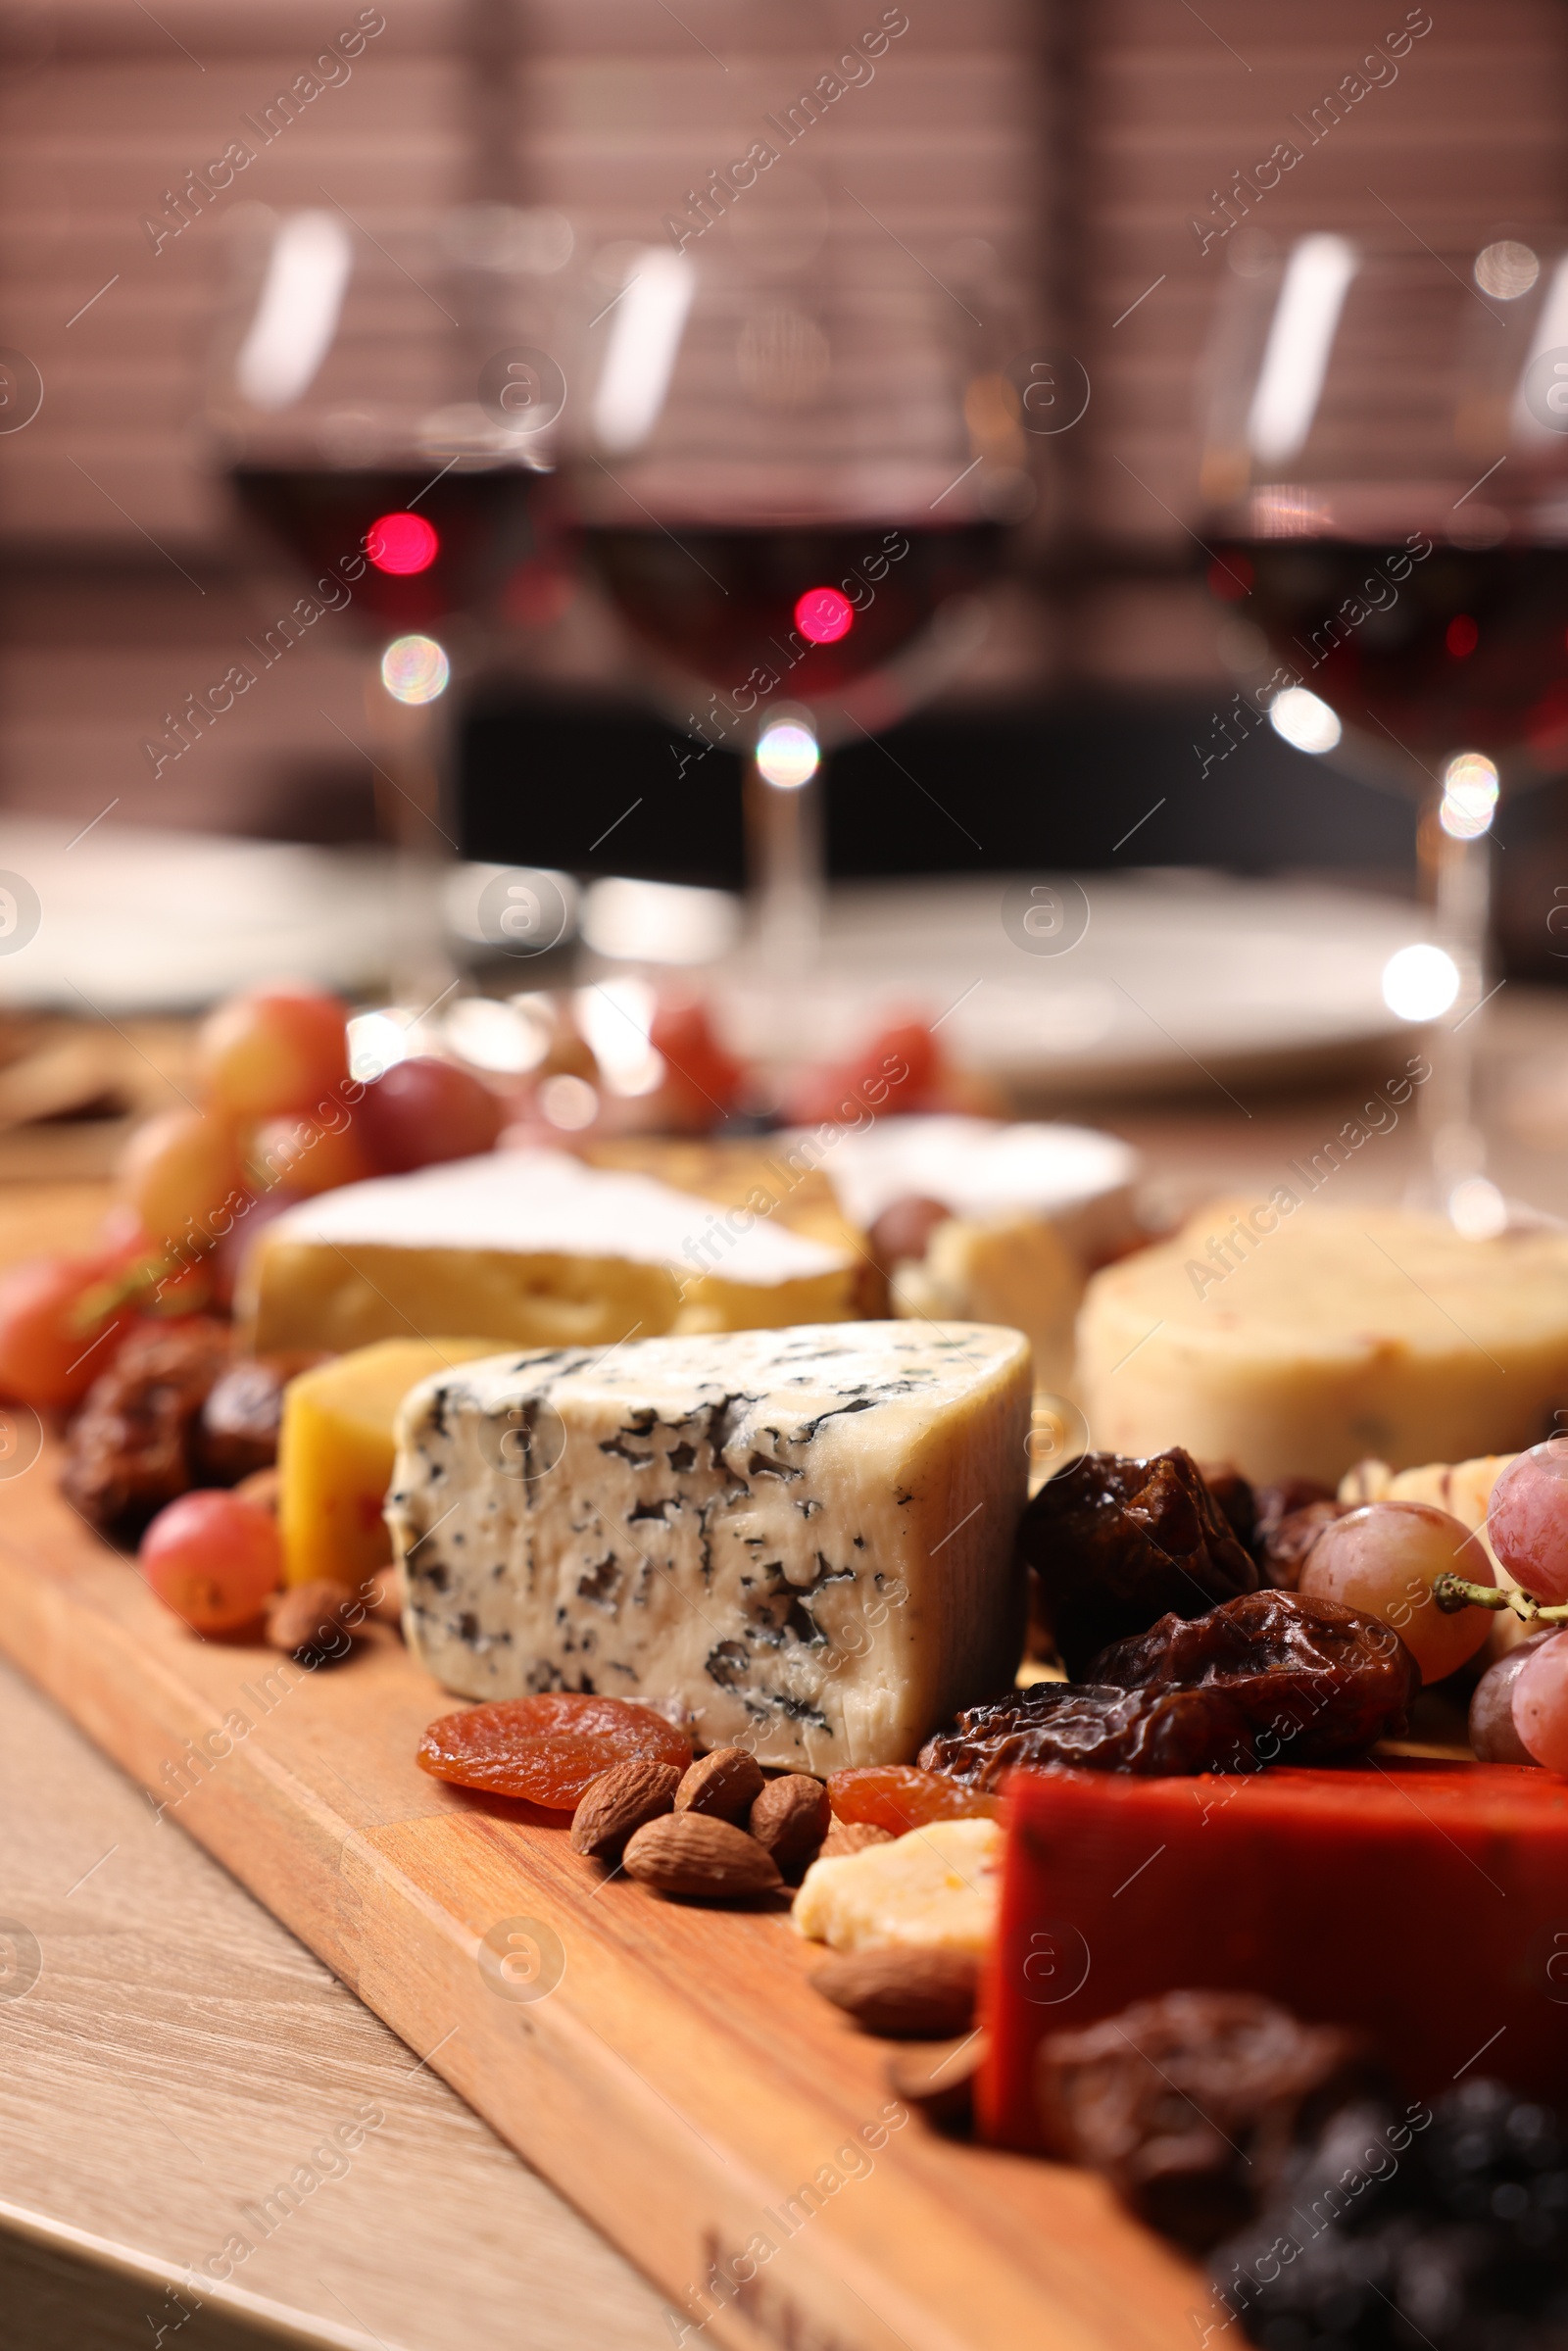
182 2051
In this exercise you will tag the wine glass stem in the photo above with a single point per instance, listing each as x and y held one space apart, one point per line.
1461 876
412 744
784 868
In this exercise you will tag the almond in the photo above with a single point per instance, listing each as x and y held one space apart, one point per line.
905 1991
306 1620
623 1800
383 1594
939 2080
852 1837
723 1784
791 1818
691 1853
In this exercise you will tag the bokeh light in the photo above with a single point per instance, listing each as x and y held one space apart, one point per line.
1420 983
1506 269
824 615
402 544
1469 796
1306 722
414 669
787 755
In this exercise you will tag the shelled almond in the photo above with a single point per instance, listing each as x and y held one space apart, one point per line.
620 1804
693 1854
723 1785
907 1991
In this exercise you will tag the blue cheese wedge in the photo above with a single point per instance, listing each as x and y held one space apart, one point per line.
805 1536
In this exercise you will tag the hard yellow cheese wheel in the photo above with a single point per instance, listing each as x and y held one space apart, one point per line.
1295 1342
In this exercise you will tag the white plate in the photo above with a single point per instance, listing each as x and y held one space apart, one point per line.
1175 974
133 919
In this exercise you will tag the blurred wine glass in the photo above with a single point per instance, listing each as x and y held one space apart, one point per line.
791 485
1386 473
384 405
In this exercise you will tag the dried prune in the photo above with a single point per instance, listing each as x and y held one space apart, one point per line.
1281 1552
547 1749
134 1446
241 1416
1191 2104
1116 1543
1271 1676
1235 1496
1271 1504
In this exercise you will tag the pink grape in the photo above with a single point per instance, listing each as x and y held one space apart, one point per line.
1384 1560
214 1558
1493 1735
1541 1704
1527 1520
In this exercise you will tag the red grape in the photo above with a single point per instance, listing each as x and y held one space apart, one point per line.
177 1171
1385 1558
1541 1704
701 1081
213 1559
423 1110
52 1346
1527 1520
275 1050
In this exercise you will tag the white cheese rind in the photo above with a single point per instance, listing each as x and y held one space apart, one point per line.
805 1536
548 1204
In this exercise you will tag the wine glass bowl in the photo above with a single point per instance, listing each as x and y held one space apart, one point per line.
1385 471
790 492
382 402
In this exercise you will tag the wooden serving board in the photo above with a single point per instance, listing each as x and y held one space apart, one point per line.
666 2065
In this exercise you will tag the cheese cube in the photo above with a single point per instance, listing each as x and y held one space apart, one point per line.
935 1888
335 1450
1293 1340
805 1536
531 1248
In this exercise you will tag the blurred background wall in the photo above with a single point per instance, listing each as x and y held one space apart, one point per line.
1105 155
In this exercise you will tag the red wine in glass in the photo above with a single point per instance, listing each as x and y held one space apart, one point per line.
804 608
1434 645
431 544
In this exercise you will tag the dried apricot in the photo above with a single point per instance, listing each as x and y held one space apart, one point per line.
548 1749
898 1797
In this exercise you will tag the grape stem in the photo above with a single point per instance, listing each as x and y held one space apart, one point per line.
1453 1593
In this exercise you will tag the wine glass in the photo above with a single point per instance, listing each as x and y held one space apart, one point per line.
791 485
383 404
1386 473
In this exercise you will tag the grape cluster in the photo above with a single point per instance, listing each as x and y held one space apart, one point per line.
1403 2224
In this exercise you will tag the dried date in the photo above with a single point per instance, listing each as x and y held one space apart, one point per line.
1193 2104
1269 1677
1117 1544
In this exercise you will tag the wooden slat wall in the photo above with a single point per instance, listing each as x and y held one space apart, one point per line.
1472 135
1076 141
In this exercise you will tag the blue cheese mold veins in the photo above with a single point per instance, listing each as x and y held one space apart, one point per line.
803 1537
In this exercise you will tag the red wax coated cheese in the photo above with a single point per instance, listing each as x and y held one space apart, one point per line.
1424 1903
